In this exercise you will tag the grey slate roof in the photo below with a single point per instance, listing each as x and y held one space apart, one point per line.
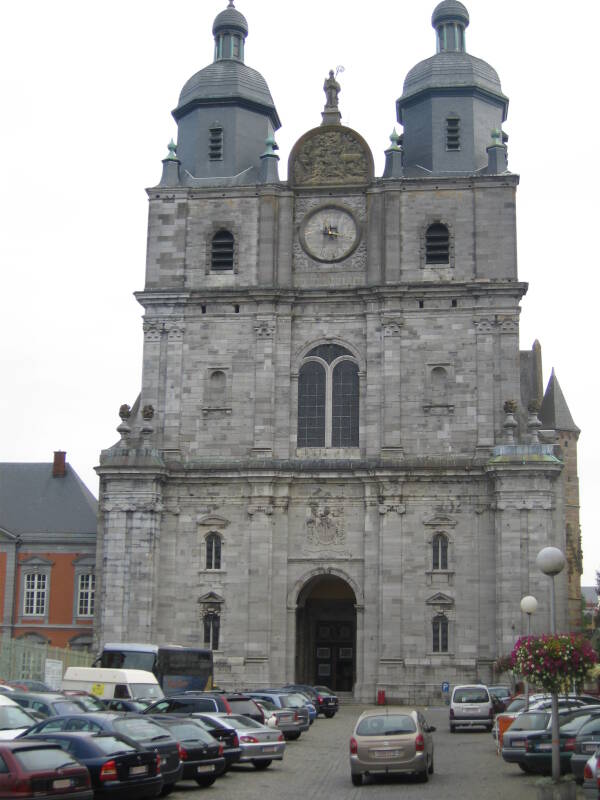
227 80
32 501
451 69
554 412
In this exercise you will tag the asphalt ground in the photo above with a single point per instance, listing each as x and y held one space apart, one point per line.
467 767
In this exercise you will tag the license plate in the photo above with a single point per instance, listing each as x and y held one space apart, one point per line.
138 770
206 768
547 746
270 749
517 743
590 747
63 783
386 753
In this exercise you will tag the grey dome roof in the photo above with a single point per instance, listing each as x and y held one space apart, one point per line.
450 10
451 69
227 80
230 18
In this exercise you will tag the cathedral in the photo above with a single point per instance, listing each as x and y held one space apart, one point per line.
341 467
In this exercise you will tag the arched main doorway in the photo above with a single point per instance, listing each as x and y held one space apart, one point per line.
326 633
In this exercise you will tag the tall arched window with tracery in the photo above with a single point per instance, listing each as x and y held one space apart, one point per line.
328 398
440 634
213 551
440 551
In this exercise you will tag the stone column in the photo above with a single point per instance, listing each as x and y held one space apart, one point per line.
284 386
484 329
391 346
370 414
174 330
260 532
371 582
391 511
153 333
279 641
264 386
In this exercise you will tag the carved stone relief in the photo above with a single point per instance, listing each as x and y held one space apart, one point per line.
331 157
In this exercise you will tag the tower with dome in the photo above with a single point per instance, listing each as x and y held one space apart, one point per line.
340 467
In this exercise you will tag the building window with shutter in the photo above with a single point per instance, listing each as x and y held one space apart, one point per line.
452 133
440 634
437 244
222 250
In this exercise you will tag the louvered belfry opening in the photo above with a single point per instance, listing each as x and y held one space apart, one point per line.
453 133
437 244
222 251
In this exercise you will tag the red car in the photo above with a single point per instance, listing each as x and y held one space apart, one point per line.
41 771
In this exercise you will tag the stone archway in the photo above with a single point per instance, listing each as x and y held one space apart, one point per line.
326 633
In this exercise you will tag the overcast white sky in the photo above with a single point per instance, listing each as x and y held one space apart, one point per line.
87 89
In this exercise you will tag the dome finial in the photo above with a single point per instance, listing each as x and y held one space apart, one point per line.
231 5
450 18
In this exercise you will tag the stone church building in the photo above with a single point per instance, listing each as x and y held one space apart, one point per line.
341 467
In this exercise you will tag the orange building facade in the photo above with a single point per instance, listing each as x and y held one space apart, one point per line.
47 554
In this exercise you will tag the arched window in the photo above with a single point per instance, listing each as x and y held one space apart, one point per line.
439 552
440 634
437 244
222 251
213 551
212 629
328 398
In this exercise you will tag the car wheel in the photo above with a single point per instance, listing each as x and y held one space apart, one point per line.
431 766
329 714
261 764
167 789
356 780
452 729
526 768
424 776
206 781
291 737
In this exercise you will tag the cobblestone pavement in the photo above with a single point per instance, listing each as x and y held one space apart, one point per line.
316 767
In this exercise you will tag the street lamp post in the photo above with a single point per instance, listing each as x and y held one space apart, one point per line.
551 562
528 606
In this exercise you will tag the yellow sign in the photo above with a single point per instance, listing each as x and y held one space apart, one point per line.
97 689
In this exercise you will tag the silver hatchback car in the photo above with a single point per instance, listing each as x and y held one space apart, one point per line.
391 740
471 706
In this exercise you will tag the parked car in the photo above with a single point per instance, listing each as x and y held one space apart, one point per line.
390 740
328 701
538 745
287 700
309 699
201 754
89 701
591 777
286 719
502 692
145 731
27 685
530 722
29 768
587 743
471 706
223 733
538 702
14 720
119 767
48 704
189 703
260 744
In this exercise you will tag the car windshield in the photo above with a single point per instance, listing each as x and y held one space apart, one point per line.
240 721
572 727
242 706
293 700
500 691
531 721
266 704
471 695
110 745
592 726
36 758
15 717
68 707
386 725
150 690
190 732
91 703
140 729
516 705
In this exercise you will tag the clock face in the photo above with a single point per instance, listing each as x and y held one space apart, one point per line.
329 233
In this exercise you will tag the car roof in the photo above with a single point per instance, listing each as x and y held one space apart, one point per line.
6 700
49 697
385 711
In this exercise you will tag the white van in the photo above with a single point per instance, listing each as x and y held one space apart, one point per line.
107 684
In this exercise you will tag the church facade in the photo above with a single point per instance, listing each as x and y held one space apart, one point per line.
341 467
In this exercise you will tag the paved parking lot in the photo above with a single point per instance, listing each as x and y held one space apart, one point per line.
316 766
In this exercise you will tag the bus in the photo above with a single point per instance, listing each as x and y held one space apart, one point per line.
177 668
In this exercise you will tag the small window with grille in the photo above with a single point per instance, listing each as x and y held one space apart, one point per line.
437 244
222 251
215 143
452 133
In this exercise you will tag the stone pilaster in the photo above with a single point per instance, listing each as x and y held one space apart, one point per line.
484 330
391 347
260 532
372 617
264 386
174 330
